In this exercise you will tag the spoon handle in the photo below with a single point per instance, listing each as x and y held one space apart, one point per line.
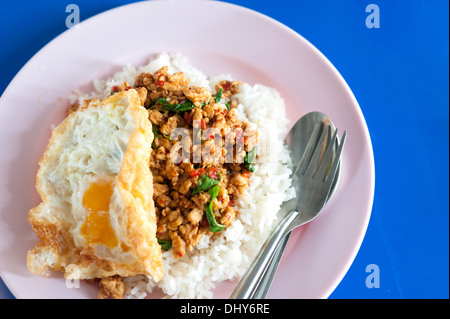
254 273
260 292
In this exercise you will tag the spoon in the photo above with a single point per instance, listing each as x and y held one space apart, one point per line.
296 141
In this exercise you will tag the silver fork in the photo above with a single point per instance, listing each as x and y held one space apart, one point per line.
312 181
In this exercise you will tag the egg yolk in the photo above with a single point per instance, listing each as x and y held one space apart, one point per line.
97 228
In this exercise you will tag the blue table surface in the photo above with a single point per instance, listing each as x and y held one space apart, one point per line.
399 74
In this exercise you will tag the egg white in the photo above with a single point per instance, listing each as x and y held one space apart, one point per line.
89 147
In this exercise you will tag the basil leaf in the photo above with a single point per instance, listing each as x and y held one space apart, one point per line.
155 136
248 160
250 156
152 104
218 95
250 167
228 105
204 183
165 244
214 192
214 226
156 132
205 103
184 106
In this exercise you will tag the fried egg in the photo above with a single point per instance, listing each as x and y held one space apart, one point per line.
97 216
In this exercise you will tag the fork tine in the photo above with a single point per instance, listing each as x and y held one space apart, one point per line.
308 149
311 168
325 163
336 160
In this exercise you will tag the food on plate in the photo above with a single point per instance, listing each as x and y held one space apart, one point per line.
97 217
194 194
199 163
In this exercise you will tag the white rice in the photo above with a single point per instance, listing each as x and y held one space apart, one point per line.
229 254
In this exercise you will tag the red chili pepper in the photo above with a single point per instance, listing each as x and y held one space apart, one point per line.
226 86
160 83
203 124
211 137
194 173
128 88
247 175
197 172
213 173
115 88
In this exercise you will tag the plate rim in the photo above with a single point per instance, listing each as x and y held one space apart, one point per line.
369 205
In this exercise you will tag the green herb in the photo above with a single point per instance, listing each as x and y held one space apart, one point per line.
250 167
228 105
248 160
204 183
214 192
183 106
214 226
152 104
155 136
205 103
218 95
166 136
156 132
165 244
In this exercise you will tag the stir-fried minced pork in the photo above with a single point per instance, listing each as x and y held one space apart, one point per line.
194 194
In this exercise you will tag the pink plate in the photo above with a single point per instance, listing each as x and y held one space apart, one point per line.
217 38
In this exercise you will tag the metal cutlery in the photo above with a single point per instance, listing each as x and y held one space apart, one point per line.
312 180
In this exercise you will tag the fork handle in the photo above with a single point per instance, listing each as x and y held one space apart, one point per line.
253 275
